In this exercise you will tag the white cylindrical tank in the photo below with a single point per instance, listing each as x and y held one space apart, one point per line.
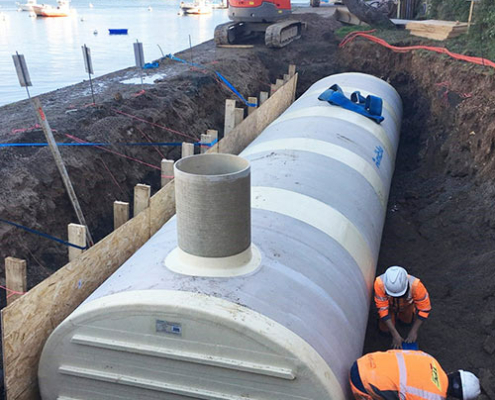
289 326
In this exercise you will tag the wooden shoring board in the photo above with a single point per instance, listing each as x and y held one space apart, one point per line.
438 22
250 128
28 321
435 36
436 26
435 29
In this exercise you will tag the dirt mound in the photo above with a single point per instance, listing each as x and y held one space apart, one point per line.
182 106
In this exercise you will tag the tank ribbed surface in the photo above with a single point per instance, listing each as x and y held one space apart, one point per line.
291 329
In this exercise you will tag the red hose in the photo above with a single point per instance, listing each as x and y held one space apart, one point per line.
474 60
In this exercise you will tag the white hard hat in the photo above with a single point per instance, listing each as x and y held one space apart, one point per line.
395 281
470 385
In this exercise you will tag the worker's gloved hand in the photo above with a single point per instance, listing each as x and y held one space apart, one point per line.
412 337
397 342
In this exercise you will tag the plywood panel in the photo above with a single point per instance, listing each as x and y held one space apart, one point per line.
438 30
27 323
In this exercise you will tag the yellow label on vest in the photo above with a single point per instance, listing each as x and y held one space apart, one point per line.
434 376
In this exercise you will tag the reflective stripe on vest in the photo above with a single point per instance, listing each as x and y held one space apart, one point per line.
405 389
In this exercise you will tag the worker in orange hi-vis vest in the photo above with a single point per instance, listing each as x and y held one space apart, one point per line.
402 296
408 375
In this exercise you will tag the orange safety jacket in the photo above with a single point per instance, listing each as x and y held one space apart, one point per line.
416 294
402 375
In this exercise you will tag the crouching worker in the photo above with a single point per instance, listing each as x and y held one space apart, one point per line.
401 296
408 375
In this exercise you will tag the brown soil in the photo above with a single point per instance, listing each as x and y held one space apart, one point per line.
440 224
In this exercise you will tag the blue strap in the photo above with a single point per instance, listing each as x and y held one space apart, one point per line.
206 144
229 85
151 65
370 107
222 78
356 97
45 235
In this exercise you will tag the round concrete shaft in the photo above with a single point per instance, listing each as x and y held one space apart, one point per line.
213 205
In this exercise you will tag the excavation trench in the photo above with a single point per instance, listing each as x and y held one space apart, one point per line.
440 224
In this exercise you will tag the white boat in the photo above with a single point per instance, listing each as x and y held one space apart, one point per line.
26 6
198 7
223 4
47 10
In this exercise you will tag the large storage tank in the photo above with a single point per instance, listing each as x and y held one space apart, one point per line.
257 297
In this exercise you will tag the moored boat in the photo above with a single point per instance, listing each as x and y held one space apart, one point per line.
117 31
28 6
223 4
197 8
46 10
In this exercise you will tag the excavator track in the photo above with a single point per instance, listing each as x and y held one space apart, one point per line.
278 34
282 33
229 33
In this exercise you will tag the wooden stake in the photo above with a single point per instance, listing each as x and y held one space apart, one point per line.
205 139
77 236
15 277
167 171
273 89
253 100
292 70
238 115
229 116
187 149
142 194
286 78
471 8
213 133
279 83
60 164
214 138
120 214
263 97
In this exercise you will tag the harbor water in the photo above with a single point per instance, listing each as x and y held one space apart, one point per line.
52 46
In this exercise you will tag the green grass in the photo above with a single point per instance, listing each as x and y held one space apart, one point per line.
345 30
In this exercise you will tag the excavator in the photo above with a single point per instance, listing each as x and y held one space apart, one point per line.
254 17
